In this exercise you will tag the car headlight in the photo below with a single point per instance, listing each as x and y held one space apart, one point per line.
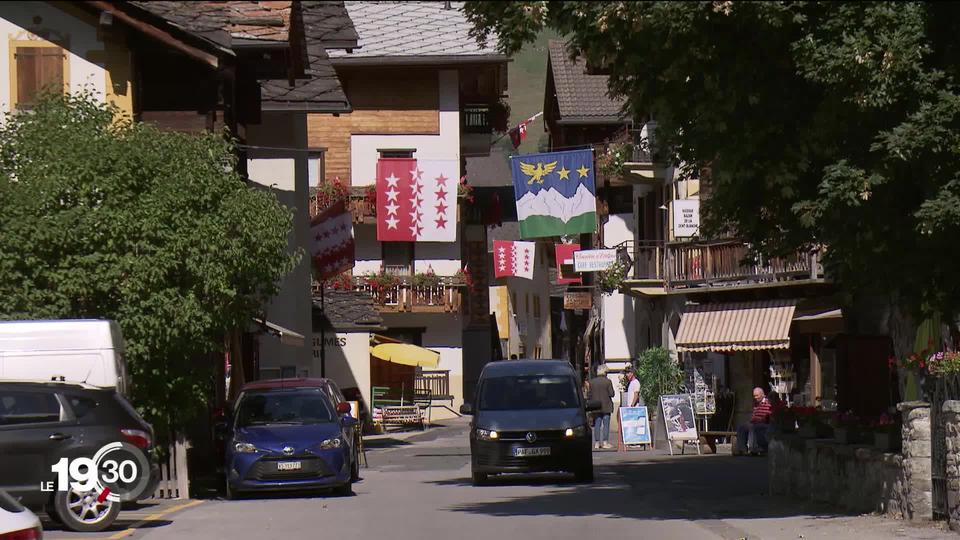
578 431
487 434
328 444
241 447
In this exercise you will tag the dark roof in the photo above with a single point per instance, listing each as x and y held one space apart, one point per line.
347 311
221 22
582 98
527 367
326 25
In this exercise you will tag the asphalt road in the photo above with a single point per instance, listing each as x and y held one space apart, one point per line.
419 489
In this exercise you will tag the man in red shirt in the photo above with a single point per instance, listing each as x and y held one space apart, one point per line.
758 426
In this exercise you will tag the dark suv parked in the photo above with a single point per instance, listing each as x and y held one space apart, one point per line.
41 423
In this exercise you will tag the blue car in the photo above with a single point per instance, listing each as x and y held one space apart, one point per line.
290 434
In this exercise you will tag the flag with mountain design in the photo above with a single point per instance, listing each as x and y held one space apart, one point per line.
555 193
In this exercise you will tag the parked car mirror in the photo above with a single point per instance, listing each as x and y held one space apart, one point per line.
348 421
343 408
466 408
593 405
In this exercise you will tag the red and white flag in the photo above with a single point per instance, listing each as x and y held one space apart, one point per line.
417 200
513 258
332 247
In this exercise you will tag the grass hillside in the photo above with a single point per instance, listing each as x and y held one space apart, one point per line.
527 82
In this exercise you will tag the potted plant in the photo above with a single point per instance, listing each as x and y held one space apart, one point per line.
609 280
426 279
340 282
886 433
611 162
329 193
847 428
381 280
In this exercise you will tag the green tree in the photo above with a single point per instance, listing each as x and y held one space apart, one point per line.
658 375
105 218
830 124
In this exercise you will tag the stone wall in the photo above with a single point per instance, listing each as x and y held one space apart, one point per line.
859 477
916 460
951 413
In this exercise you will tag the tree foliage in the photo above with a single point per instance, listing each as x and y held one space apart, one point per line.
822 123
105 218
659 375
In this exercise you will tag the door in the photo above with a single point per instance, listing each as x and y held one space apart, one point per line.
34 434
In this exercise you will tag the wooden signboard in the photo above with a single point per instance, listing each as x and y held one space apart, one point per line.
577 300
678 420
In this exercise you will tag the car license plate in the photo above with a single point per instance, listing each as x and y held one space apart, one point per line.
527 452
289 465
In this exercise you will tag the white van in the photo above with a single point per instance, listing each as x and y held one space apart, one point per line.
82 351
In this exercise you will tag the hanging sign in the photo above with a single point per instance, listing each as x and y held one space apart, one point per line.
686 217
594 260
577 300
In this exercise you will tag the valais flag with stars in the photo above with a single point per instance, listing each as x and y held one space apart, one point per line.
417 200
513 258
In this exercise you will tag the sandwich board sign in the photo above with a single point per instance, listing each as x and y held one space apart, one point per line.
678 419
635 426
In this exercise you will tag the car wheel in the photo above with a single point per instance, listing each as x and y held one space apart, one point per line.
229 493
81 512
344 490
584 475
355 468
479 478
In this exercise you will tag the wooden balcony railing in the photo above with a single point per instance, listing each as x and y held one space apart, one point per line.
705 263
445 296
434 382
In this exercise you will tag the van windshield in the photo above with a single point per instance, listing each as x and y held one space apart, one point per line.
526 392
284 407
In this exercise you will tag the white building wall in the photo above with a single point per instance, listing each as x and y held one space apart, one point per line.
347 360
364 148
286 173
619 315
16 24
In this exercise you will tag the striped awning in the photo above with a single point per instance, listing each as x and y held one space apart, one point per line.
743 326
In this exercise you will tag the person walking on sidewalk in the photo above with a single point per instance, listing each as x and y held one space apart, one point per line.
601 389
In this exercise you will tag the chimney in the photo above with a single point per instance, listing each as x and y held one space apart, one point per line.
446 5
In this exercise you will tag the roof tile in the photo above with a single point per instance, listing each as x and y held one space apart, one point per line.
581 95
412 29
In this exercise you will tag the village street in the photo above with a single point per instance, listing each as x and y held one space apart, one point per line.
417 487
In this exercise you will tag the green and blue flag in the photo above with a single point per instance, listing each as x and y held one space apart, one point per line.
555 193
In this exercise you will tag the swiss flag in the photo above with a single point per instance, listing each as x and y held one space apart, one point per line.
513 258
417 200
332 247
565 262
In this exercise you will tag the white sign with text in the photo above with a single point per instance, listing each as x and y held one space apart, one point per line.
686 217
593 260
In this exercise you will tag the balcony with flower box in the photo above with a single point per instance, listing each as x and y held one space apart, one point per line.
393 292
683 267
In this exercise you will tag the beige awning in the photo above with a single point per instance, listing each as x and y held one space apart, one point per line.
287 336
742 326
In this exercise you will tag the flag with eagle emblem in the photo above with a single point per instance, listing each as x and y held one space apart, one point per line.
555 193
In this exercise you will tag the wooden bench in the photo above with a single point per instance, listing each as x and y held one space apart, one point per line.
709 438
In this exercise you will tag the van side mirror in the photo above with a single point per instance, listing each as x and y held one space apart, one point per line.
466 409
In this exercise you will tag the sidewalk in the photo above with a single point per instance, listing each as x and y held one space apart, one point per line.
397 438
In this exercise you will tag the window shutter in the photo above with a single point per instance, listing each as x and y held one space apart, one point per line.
38 68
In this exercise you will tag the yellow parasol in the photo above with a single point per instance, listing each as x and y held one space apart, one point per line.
406 354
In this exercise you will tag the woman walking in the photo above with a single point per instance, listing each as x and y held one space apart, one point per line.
601 389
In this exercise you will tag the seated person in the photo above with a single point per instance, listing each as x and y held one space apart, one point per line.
759 423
